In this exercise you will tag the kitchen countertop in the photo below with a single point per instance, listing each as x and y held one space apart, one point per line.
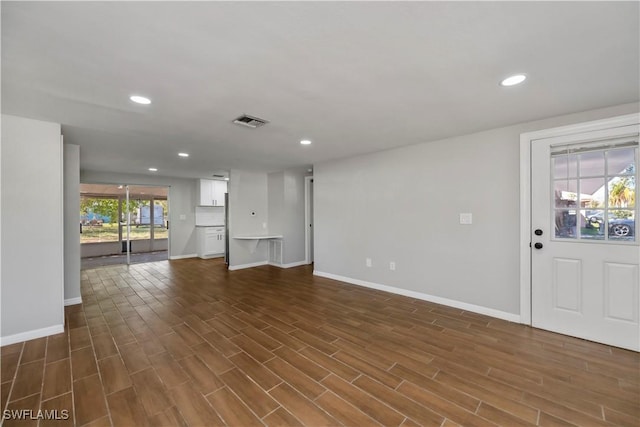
254 239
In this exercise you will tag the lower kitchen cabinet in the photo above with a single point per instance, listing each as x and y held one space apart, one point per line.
211 242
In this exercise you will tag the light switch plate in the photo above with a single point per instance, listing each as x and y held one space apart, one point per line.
466 218
183 217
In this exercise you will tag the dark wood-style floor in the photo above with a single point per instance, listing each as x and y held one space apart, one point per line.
187 343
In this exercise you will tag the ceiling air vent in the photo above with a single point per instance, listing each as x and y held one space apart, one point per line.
250 121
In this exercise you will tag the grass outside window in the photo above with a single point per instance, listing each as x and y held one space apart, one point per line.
109 233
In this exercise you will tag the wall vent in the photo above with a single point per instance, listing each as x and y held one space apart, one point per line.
250 121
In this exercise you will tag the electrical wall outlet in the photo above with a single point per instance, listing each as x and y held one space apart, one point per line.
368 262
392 266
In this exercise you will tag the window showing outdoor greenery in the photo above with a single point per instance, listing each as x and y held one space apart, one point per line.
595 193
140 220
160 231
100 219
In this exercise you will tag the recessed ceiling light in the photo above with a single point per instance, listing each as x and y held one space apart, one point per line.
153 169
140 99
513 80
305 142
183 154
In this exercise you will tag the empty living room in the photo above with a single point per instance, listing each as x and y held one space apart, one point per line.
319 213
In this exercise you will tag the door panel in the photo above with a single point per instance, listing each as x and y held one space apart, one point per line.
584 264
567 282
620 291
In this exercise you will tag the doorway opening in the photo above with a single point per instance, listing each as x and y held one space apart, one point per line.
308 219
123 224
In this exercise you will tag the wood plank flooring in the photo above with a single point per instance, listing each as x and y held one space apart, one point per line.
187 343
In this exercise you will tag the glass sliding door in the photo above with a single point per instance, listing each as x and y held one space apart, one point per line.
124 220
160 228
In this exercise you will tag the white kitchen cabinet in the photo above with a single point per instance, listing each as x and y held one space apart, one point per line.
217 245
212 192
219 188
211 242
205 189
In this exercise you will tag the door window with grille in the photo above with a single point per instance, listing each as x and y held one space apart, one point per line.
594 191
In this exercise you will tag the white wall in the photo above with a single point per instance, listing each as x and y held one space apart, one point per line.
403 205
276 211
294 217
183 199
71 167
286 213
32 288
247 194
1 221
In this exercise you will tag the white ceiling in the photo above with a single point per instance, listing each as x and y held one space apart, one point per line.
353 77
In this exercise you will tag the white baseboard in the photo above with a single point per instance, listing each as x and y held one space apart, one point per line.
31 335
425 297
73 301
183 256
242 266
211 256
290 265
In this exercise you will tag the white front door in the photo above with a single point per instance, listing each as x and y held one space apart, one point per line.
585 254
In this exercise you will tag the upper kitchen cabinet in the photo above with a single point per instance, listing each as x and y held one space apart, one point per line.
205 189
219 190
212 192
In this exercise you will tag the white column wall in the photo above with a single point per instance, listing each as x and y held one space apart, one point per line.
72 224
32 244
248 192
